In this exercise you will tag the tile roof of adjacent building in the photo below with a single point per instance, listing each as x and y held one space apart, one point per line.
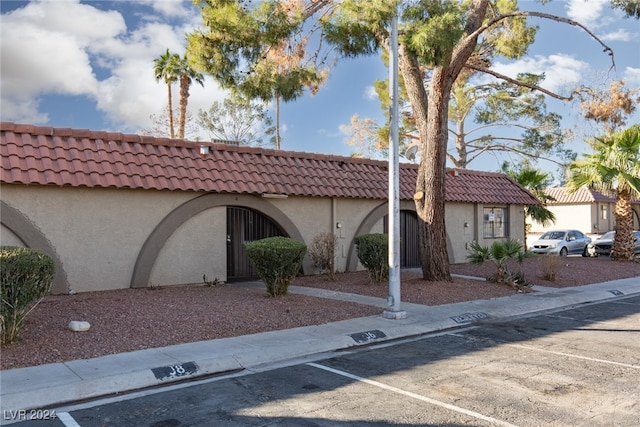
84 158
581 196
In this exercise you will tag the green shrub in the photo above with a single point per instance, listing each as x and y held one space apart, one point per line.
373 253
323 253
26 276
277 261
500 253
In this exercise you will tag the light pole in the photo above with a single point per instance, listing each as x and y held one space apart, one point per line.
393 310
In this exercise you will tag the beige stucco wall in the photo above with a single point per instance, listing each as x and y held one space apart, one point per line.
197 248
101 235
459 236
464 225
97 232
314 215
578 217
8 238
587 218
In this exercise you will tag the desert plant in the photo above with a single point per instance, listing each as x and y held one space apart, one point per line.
323 253
500 252
373 253
26 276
210 283
550 266
277 261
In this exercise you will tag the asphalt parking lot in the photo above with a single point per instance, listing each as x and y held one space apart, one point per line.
578 366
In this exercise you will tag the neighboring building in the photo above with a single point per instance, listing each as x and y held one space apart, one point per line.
117 210
589 211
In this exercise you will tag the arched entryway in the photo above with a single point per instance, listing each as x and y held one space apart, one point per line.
409 239
372 218
245 225
159 236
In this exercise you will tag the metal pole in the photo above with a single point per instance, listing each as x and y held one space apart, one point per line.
393 310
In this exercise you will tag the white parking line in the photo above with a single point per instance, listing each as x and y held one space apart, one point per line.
414 396
67 419
575 356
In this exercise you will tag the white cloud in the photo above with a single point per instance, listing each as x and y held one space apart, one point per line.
587 12
169 8
562 71
41 56
632 76
346 130
77 49
620 35
370 93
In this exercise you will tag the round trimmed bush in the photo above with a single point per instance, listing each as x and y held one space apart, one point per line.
277 261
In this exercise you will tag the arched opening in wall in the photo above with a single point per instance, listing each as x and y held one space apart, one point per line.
409 239
245 225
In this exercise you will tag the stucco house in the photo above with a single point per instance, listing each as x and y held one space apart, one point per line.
589 211
117 210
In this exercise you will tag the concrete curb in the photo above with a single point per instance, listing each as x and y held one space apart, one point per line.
55 384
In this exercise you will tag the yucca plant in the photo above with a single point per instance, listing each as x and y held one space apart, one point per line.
500 253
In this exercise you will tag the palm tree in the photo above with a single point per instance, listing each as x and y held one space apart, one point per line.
500 252
535 182
187 75
614 167
166 68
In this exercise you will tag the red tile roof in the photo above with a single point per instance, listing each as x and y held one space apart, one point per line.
83 158
581 196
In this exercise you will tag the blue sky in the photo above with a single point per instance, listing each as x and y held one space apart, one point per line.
67 63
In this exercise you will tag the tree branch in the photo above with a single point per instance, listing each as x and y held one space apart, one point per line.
542 15
521 83
504 147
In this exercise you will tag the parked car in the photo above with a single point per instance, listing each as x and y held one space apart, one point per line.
561 242
603 244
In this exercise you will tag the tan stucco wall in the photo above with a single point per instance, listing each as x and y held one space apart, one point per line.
97 232
197 248
459 236
578 217
314 215
587 218
117 238
8 238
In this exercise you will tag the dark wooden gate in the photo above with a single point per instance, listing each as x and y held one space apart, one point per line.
409 239
245 225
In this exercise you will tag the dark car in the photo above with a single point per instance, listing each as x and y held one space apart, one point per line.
603 244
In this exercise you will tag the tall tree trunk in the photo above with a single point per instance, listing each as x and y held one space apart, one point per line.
184 99
429 197
432 174
461 148
623 243
170 111
433 131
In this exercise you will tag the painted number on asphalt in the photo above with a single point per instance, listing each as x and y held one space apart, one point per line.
175 371
470 317
363 337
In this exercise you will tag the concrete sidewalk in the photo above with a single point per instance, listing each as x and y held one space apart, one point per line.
58 383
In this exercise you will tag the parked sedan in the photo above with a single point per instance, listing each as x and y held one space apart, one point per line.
561 242
603 244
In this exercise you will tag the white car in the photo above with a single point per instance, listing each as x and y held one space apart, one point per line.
561 242
603 244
